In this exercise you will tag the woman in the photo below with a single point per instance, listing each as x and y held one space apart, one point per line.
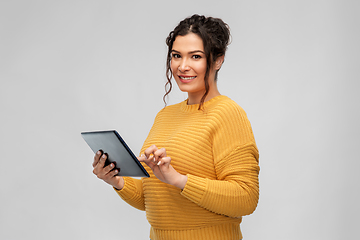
201 153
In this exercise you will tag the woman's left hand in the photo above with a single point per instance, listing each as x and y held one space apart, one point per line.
159 163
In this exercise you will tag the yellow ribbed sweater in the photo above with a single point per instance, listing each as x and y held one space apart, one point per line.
215 147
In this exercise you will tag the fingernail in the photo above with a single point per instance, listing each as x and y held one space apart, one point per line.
104 156
158 163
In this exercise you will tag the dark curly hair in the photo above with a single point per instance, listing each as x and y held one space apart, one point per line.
215 35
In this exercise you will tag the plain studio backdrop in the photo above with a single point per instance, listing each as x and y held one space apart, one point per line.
72 66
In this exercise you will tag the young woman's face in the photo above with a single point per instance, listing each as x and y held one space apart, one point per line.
188 64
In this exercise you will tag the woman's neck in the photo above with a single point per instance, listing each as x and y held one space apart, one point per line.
195 98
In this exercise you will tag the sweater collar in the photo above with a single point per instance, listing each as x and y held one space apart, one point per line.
194 107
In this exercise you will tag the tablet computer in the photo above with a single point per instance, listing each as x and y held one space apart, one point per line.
111 143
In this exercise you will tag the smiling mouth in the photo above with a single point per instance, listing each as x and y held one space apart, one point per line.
186 78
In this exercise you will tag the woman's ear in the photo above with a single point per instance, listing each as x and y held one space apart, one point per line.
219 61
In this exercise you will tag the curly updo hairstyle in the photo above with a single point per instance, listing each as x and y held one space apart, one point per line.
215 35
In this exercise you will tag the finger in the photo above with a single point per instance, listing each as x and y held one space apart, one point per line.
148 161
97 157
150 150
143 158
115 172
102 161
160 153
99 167
109 167
164 161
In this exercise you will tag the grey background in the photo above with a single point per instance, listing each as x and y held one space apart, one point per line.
72 66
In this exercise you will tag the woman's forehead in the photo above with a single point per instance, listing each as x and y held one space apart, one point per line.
188 43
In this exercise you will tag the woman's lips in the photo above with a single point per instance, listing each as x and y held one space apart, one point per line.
186 79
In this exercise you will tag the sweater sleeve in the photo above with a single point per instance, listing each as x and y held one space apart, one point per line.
132 193
235 192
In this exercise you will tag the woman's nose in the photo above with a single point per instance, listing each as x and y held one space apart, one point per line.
184 66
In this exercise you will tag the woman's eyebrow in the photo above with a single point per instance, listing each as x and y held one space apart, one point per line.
197 51
192 52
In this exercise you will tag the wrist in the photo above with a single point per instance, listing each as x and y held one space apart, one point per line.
181 181
120 184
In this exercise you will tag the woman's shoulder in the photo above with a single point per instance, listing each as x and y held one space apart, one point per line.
226 106
168 110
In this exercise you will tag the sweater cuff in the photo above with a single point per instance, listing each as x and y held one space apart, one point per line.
128 190
195 188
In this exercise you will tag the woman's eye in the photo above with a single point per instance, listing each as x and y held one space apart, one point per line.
175 55
196 57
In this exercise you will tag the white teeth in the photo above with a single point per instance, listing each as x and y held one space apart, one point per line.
187 78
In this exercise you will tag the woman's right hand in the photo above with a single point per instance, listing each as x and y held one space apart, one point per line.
109 173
